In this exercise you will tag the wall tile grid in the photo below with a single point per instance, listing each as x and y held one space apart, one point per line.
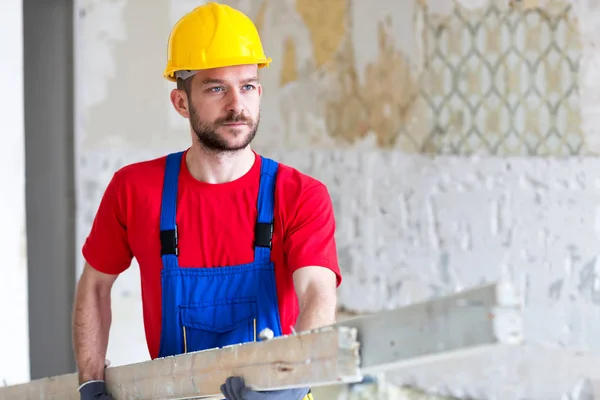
501 81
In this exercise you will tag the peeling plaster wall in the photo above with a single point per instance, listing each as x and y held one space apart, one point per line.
14 330
472 126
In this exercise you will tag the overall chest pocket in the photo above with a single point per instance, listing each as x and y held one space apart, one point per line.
218 323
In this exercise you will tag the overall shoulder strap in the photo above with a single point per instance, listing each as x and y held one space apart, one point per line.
168 211
263 233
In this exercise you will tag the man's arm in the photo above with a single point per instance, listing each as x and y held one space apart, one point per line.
317 297
311 255
91 323
107 253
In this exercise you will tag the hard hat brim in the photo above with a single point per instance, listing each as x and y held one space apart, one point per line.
169 73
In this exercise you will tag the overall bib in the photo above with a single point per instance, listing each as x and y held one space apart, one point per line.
204 308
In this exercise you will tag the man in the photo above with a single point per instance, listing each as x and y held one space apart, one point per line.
228 242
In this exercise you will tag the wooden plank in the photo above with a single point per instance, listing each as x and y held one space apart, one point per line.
469 344
316 358
456 324
485 315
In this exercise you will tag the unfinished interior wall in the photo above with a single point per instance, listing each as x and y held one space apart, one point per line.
14 329
472 125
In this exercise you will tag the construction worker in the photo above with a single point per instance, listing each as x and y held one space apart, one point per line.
228 242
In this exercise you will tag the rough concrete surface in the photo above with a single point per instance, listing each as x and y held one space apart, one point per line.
471 125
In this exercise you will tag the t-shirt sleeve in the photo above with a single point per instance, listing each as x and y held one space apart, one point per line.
107 248
310 235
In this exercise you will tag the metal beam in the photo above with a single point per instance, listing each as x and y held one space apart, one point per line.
485 315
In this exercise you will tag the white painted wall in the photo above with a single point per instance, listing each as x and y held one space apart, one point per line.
14 333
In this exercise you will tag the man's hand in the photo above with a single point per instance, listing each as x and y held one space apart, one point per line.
94 390
235 388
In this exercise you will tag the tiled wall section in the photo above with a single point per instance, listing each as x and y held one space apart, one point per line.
445 77
501 80
431 77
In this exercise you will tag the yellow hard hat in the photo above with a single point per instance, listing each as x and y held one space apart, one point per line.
211 36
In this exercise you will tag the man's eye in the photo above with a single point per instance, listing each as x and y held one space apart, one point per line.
215 89
248 87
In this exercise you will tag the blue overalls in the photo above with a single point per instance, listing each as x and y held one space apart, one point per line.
204 308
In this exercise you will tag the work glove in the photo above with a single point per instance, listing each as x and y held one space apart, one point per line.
94 390
235 388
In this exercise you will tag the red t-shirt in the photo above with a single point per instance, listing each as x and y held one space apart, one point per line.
215 228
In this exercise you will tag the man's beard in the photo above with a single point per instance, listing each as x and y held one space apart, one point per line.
210 139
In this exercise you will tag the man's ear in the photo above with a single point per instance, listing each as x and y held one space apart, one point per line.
180 100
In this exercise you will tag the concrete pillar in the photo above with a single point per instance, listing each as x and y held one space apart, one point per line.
50 194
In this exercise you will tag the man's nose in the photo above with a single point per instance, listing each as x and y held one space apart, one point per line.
235 104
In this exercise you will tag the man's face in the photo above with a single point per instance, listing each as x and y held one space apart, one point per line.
224 107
